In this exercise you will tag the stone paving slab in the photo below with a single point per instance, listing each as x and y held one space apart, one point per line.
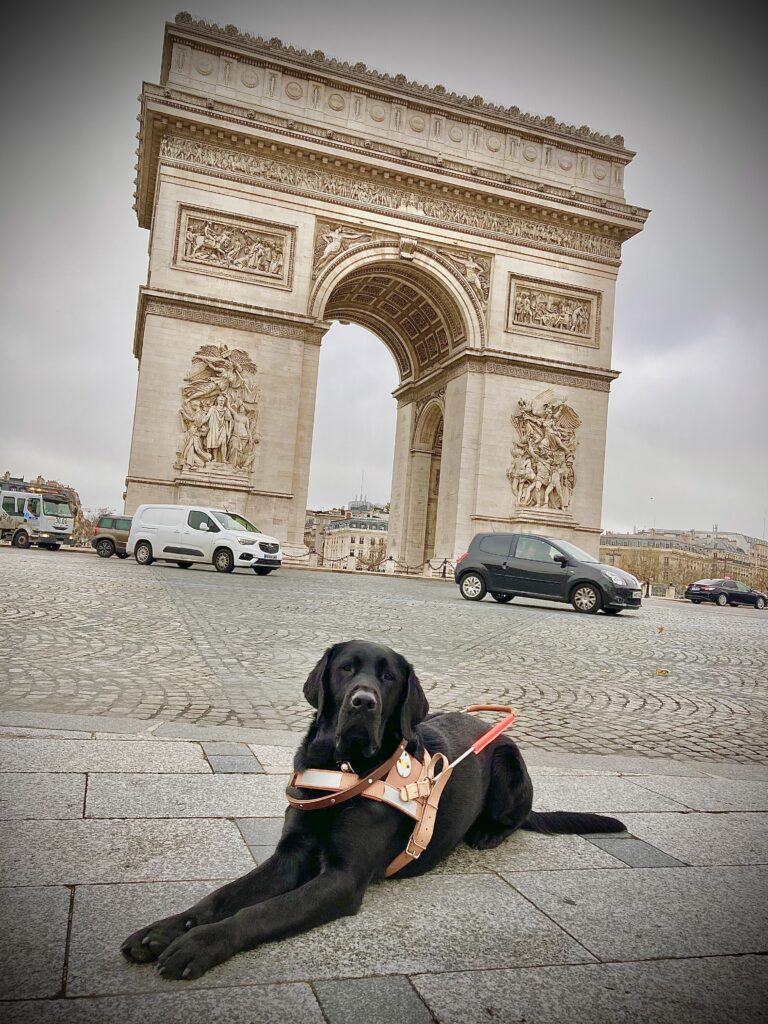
609 764
185 796
32 941
223 733
725 990
600 794
100 756
77 852
470 921
635 853
261 831
73 721
655 912
262 1004
526 851
373 1000
711 794
41 795
235 765
23 732
705 839
275 759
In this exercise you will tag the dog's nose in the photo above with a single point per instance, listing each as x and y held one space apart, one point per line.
364 700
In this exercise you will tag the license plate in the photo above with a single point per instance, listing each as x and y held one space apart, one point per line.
637 593
273 557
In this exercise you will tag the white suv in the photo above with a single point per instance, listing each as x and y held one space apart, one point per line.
186 534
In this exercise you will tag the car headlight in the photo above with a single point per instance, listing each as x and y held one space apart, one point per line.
615 578
244 542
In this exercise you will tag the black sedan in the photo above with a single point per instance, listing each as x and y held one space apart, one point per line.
725 592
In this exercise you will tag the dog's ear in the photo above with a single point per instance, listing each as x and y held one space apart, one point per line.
314 688
415 704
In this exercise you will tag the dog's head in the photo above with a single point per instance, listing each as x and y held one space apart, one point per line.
367 697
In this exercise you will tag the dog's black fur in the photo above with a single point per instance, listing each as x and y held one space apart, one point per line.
368 699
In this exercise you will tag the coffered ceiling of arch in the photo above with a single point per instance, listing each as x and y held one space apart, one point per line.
414 316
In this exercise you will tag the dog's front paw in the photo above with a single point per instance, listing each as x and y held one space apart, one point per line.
191 955
148 943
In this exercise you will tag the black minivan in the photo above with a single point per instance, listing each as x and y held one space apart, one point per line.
507 565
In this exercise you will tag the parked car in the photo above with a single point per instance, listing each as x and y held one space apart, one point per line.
186 534
725 592
110 536
508 565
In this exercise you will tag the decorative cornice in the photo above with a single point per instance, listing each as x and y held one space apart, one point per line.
197 309
406 204
368 76
436 165
549 371
178 481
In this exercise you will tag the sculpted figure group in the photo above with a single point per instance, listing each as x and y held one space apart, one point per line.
548 310
219 411
541 474
224 245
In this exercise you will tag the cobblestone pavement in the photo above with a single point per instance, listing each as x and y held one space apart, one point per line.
82 635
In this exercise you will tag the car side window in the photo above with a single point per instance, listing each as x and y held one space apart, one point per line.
123 524
534 550
495 545
106 523
728 585
196 519
742 588
9 506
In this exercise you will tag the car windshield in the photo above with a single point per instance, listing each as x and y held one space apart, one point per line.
573 552
53 507
232 521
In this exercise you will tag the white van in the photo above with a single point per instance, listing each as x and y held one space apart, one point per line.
186 534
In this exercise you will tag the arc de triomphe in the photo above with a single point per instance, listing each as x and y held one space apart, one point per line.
284 190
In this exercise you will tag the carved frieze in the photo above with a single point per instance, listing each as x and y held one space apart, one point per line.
541 473
349 190
219 413
540 308
241 248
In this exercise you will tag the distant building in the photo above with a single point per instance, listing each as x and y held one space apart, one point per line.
365 537
677 557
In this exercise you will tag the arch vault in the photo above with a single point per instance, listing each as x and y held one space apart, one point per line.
284 190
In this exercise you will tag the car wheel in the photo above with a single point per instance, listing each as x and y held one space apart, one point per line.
261 571
143 553
586 599
760 603
472 587
54 547
502 598
21 539
184 565
613 611
223 560
695 602
722 600
105 548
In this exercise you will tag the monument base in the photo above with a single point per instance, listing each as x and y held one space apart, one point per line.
215 474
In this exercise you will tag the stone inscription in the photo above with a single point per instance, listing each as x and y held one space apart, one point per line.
239 248
555 312
332 187
541 473
219 412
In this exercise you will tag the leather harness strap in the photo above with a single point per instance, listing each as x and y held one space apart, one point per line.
419 798
349 785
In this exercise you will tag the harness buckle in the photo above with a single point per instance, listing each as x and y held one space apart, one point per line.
414 849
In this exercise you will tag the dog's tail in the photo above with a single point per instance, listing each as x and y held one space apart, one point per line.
571 823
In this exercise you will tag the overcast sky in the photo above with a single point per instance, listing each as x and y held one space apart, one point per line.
684 83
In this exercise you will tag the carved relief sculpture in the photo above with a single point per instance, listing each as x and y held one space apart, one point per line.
475 269
542 471
565 314
333 239
234 247
219 412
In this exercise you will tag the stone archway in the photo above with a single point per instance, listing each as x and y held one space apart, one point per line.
284 189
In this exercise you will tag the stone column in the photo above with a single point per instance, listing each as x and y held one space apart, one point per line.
399 494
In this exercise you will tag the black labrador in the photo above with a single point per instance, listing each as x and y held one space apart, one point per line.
368 700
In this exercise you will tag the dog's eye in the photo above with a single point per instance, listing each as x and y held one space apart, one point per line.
346 668
387 676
